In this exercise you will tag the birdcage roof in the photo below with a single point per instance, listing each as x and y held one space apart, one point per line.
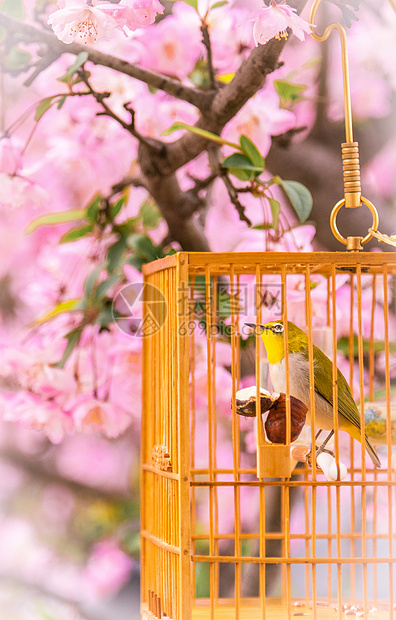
276 262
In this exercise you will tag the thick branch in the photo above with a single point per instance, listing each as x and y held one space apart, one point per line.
173 87
249 78
176 207
159 168
135 181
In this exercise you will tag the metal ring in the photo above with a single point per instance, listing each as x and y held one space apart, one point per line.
333 217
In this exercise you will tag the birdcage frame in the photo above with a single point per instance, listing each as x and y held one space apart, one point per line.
170 482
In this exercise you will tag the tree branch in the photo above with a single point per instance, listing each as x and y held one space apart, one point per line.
175 206
217 109
135 181
227 102
200 99
152 144
206 41
159 169
233 194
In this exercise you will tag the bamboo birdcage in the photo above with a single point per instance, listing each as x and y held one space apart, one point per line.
333 541
229 537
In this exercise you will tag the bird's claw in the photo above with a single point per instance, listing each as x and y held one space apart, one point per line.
317 451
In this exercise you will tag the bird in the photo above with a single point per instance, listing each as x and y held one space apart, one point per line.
272 334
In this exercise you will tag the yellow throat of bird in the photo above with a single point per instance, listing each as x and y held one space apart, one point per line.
274 345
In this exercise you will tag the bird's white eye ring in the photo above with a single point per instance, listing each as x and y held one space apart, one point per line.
278 328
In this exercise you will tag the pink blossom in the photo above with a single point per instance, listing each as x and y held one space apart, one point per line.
176 46
30 410
259 119
17 192
93 414
230 51
274 20
10 156
137 13
108 569
78 21
75 456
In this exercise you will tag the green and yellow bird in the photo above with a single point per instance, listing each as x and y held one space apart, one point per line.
348 413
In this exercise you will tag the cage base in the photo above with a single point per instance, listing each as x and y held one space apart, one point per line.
275 609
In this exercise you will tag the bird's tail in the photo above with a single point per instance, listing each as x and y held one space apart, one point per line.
372 453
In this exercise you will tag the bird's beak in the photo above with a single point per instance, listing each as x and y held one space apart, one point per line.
253 326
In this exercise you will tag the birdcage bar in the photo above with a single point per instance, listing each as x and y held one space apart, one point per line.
225 559
336 436
193 428
260 440
211 440
302 536
337 564
308 320
213 302
236 457
292 483
285 491
388 438
362 426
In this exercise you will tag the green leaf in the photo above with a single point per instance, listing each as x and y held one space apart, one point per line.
116 208
61 102
144 247
17 58
150 215
106 316
72 70
93 208
275 210
199 132
77 233
288 91
251 151
13 8
262 227
61 308
242 175
115 254
241 166
91 280
217 5
51 219
107 284
126 228
43 107
73 338
299 196
136 262
242 161
193 3
379 346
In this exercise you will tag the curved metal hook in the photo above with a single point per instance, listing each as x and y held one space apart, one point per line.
345 65
344 55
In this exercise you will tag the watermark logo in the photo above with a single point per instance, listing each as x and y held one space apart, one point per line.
128 309
199 309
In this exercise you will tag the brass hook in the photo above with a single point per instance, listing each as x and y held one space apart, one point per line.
344 55
345 65
350 150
